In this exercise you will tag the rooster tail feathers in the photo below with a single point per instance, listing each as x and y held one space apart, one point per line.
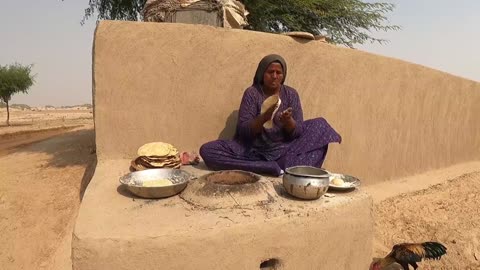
434 250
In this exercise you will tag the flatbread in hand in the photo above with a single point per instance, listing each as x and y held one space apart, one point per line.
273 100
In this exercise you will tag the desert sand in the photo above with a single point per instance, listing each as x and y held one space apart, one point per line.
31 120
44 173
446 212
42 169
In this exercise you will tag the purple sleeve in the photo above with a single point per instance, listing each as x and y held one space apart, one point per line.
246 114
297 115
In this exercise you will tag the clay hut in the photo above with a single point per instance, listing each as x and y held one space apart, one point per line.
221 13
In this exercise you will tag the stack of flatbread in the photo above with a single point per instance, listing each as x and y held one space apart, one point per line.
156 155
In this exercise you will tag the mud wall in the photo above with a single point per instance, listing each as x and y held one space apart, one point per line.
183 84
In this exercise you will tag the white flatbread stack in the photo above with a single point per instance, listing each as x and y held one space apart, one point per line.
273 100
156 155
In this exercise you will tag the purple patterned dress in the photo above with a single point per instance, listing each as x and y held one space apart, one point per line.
273 150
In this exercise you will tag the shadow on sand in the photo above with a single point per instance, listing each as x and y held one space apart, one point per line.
75 148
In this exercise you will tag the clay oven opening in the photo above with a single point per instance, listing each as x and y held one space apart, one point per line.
228 189
270 264
232 178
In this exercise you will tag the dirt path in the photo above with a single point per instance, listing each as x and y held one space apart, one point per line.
40 186
9 142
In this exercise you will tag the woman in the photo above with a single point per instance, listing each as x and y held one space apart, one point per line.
291 141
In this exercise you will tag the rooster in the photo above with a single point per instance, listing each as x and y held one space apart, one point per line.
409 254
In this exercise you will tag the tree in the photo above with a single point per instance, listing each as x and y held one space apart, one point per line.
115 9
346 22
14 79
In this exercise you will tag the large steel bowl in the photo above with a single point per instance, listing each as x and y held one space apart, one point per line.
306 182
134 182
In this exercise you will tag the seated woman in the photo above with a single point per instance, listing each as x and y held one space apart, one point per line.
291 141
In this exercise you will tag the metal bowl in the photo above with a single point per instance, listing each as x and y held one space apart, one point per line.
134 182
306 182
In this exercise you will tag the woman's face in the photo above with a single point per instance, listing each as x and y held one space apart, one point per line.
273 76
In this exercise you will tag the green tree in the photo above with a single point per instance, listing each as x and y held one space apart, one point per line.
129 10
14 79
346 22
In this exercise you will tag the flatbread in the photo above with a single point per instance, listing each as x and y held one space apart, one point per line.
140 165
157 149
273 100
161 165
141 162
160 159
137 167
269 102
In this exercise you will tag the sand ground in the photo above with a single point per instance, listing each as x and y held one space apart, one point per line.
43 174
446 212
27 120
45 164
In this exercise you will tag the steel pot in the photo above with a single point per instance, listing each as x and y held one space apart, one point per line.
306 182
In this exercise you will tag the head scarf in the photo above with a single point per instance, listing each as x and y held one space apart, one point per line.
263 65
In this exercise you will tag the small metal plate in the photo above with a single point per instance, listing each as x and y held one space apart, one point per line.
350 182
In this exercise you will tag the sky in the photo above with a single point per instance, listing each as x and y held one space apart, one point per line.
441 34
48 35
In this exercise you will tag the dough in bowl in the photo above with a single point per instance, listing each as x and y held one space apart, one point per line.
157 183
338 182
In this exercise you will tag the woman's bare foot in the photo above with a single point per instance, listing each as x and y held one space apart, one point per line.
189 158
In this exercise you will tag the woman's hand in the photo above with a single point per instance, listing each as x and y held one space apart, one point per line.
257 123
286 116
287 120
